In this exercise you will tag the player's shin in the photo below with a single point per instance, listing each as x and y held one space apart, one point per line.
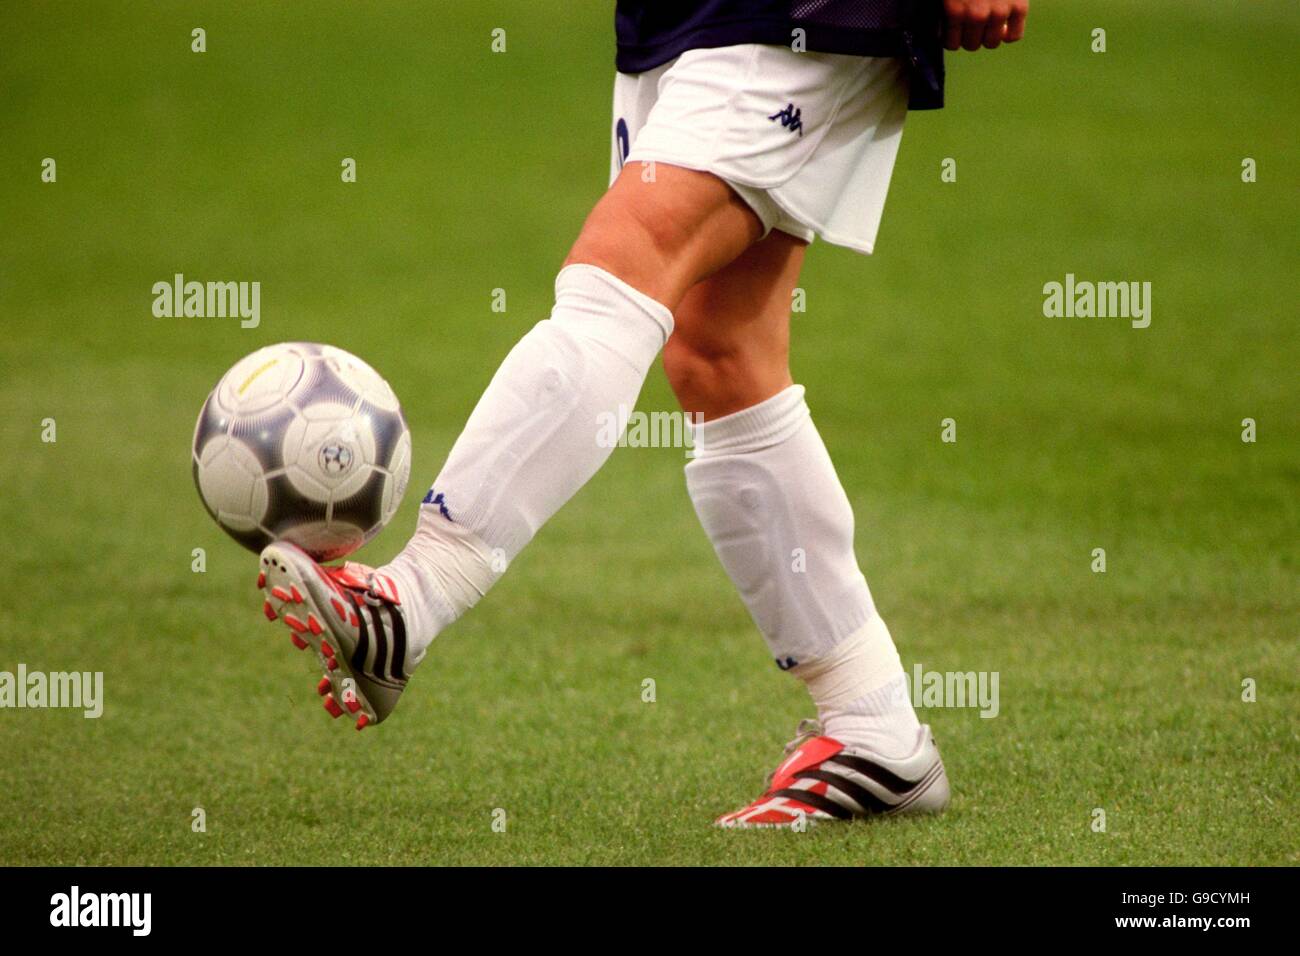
538 433
768 496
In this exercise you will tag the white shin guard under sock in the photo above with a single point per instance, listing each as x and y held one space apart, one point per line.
766 492
532 441
534 438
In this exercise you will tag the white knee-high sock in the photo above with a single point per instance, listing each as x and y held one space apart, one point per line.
767 495
535 437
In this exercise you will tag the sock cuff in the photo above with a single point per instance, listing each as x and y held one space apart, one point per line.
768 423
604 295
863 662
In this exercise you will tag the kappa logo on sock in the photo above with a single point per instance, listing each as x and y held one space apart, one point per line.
786 664
437 499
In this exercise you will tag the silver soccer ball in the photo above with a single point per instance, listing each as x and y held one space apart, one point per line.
304 443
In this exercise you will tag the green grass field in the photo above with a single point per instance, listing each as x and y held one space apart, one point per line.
1120 691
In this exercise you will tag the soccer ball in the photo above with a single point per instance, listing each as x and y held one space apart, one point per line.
304 443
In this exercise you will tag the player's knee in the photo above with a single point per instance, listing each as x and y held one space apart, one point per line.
631 236
659 222
708 377
665 236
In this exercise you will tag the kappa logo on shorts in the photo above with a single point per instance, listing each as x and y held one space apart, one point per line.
791 119
623 140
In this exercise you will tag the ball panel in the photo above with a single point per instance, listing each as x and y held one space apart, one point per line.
212 422
364 508
388 429
327 409
229 476
262 380
399 473
331 448
291 515
358 376
322 386
263 434
194 473
306 485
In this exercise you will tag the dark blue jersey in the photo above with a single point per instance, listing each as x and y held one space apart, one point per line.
652 32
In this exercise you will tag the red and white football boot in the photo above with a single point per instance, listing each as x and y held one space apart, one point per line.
351 617
822 779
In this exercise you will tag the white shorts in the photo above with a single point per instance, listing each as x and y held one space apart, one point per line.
808 140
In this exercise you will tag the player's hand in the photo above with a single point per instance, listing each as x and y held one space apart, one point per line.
971 24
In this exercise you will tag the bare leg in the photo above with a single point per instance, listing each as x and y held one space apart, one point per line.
767 494
731 346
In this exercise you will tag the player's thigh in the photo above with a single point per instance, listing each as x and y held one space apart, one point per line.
663 234
730 346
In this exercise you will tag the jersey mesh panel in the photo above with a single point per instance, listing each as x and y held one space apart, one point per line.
850 14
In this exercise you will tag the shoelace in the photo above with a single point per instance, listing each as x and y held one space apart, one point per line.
809 727
363 582
347 576
371 594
